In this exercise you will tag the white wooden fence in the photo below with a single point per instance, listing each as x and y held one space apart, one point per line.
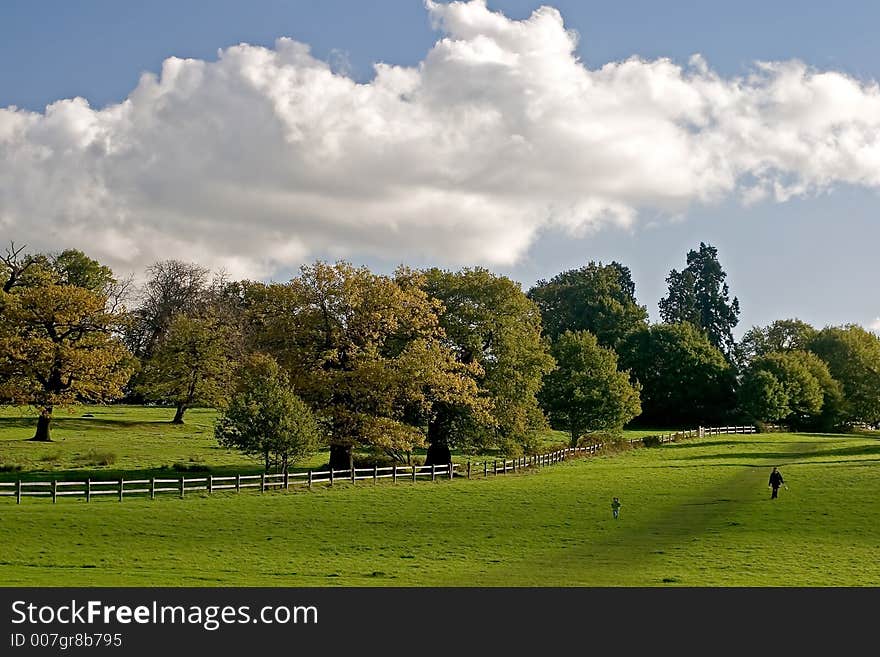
496 467
123 488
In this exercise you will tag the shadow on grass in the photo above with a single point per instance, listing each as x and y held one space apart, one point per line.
859 450
86 424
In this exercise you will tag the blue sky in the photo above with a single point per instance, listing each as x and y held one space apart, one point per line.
811 255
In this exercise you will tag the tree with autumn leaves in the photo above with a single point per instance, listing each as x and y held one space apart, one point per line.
366 351
60 323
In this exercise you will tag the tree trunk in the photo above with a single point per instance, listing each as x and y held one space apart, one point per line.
178 414
340 457
438 440
43 421
438 454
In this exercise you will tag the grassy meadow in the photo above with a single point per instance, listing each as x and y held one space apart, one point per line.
695 513
106 442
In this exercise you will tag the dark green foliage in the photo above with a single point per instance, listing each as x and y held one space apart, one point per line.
781 335
762 397
488 321
265 418
586 392
794 387
699 295
597 298
685 380
853 357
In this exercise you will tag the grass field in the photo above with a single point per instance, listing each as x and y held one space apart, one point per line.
695 513
134 442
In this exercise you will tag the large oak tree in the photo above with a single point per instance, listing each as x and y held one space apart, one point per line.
366 351
60 323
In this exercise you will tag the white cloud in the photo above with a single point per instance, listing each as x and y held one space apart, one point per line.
261 159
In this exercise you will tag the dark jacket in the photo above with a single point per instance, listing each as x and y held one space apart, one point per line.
776 479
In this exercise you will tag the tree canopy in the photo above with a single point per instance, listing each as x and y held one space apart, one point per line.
488 321
700 296
59 335
598 298
586 392
685 379
853 357
366 351
264 417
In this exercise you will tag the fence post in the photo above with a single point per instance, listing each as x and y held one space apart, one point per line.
286 480
505 466
121 487
469 470
310 479
18 492
495 467
394 473
262 482
485 468
375 474
152 488
414 472
353 473
54 491
238 483
210 484
88 489
331 475
433 473
181 488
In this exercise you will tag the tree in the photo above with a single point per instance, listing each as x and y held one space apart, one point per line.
781 335
173 288
685 379
832 415
190 365
488 321
265 418
586 392
365 351
699 295
802 390
59 341
762 396
853 357
597 298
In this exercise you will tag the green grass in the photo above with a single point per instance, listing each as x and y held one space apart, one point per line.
108 442
695 513
117 441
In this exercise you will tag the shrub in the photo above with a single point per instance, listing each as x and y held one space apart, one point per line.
10 467
651 441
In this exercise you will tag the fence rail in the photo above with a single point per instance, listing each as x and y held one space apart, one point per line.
123 488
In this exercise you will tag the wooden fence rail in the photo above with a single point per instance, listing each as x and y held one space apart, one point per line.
123 488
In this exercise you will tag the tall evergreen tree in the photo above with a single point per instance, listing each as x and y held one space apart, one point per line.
699 295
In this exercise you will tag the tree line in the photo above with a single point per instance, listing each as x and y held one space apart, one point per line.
445 360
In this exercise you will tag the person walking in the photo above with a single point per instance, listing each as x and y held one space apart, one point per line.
776 481
615 507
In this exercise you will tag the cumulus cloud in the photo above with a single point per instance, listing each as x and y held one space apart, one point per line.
265 157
